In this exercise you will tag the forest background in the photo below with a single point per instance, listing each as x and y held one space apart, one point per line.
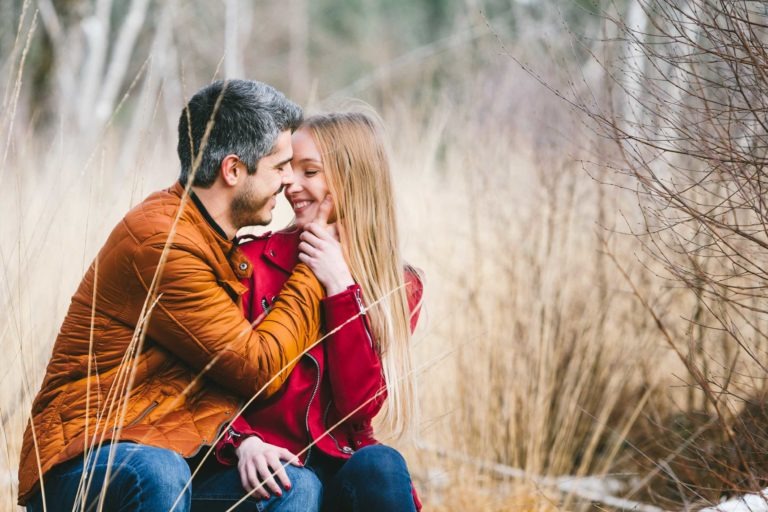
582 182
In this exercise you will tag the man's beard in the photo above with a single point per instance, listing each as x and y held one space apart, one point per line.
246 209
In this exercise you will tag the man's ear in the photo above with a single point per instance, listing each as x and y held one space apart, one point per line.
231 170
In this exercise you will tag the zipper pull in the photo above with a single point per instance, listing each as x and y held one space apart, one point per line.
232 433
362 311
359 300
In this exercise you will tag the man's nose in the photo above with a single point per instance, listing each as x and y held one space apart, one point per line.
287 174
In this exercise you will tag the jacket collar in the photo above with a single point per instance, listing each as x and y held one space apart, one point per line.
215 235
178 188
207 216
282 249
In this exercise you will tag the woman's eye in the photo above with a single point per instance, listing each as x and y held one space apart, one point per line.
310 172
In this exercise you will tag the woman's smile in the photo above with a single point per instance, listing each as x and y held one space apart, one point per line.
309 187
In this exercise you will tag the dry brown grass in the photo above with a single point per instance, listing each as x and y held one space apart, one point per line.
535 353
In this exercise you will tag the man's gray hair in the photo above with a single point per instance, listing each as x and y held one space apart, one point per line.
247 118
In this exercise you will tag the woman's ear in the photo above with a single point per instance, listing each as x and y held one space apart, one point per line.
231 170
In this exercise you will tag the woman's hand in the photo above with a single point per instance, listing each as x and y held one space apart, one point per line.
321 251
256 463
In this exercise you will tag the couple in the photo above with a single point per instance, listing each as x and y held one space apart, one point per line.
177 324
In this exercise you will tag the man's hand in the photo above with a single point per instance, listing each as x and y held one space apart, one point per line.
257 461
321 250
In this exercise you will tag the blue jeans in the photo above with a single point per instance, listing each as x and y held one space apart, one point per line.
148 479
374 479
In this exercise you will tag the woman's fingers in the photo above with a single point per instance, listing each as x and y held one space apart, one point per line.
324 211
266 476
326 232
308 249
290 457
278 470
244 479
252 479
323 254
311 237
259 463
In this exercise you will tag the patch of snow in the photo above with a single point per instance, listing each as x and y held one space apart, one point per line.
746 503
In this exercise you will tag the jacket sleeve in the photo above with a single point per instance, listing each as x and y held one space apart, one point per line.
353 364
196 318
239 430
414 289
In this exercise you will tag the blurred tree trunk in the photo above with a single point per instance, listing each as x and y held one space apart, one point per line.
120 58
90 67
97 29
161 80
233 59
298 60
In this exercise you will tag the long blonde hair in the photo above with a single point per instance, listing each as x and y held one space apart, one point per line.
356 166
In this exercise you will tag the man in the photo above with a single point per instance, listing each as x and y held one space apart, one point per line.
155 351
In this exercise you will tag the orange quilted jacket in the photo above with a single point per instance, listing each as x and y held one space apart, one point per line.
169 371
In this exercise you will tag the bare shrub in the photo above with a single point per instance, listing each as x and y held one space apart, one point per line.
689 98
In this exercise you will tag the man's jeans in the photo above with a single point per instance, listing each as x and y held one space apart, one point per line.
148 479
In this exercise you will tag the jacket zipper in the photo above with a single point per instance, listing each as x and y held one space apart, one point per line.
231 434
218 432
309 405
143 414
363 312
346 449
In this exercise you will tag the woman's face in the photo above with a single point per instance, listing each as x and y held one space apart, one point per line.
309 187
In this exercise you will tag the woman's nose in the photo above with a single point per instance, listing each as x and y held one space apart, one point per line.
294 185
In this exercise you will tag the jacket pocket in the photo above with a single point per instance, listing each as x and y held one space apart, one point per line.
143 413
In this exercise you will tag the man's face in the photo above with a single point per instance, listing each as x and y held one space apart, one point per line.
257 195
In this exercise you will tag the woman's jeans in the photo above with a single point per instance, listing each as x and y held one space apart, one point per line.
148 479
374 479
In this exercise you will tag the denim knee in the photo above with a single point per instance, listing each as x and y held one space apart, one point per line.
374 479
376 462
155 475
141 478
306 492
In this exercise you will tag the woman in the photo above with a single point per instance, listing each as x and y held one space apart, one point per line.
336 389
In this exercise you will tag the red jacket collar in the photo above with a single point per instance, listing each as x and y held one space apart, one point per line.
282 249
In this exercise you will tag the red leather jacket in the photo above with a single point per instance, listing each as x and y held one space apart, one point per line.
339 377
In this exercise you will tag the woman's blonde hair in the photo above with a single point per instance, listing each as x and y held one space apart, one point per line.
356 166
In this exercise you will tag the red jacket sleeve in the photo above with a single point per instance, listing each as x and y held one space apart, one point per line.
414 288
353 365
236 432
